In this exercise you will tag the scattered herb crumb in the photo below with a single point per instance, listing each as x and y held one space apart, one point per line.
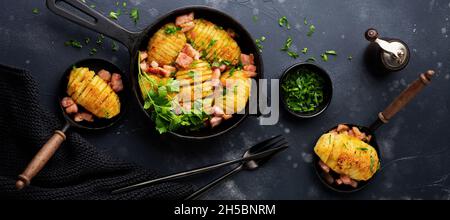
124 4
92 6
115 46
73 43
115 14
350 57
93 51
172 30
287 44
259 43
305 50
311 31
331 52
255 18
324 57
305 21
134 14
311 59
293 54
283 22
35 11
100 39
87 40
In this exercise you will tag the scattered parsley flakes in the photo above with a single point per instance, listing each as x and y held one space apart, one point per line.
305 21
35 11
124 4
134 14
259 43
283 22
305 50
311 31
87 40
115 14
100 39
331 52
115 46
172 30
287 44
255 18
92 6
349 57
293 54
311 59
73 43
93 51
324 57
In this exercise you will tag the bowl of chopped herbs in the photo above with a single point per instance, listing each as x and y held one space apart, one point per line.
305 90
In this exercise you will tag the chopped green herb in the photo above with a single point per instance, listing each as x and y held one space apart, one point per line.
363 148
124 4
255 18
191 74
311 31
235 89
324 57
115 14
115 46
305 21
218 27
211 43
92 6
93 51
305 50
287 44
293 54
35 11
134 14
349 57
117 3
303 90
172 30
226 62
311 59
232 70
100 39
87 40
372 163
331 52
259 43
73 43
84 1
283 22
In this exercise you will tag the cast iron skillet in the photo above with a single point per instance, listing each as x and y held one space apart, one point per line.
383 117
136 41
50 147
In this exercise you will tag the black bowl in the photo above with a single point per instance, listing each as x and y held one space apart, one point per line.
328 89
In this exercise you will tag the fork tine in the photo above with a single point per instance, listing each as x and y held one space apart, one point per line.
266 143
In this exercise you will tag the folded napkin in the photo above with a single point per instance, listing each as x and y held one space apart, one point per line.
77 171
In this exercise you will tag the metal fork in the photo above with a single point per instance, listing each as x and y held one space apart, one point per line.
263 149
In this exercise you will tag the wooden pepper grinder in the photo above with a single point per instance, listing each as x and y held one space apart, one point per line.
394 53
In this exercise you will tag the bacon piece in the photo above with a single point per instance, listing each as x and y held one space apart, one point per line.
159 71
215 121
83 116
250 68
247 59
72 109
154 64
116 82
218 111
231 33
226 117
186 22
105 75
144 66
250 74
67 101
342 127
348 181
190 51
183 60
170 69
143 55
324 167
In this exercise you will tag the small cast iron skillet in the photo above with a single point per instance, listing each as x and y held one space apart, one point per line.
136 41
50 147
383 117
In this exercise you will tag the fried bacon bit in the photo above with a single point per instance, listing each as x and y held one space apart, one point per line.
222 68
328 178
342 127
250 68
215 78
105 75
324 167
144 66
154 64
158 71
116 82
358 134
348 181
83 116
169 68
190 51
250 74
69 105
143 55
184 61
186 22
231 33
226 116
215 121
247 59
218 111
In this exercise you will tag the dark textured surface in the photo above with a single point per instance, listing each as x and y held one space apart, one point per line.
415 145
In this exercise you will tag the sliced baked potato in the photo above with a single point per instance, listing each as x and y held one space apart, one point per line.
165 45
93 93
236 91
213 42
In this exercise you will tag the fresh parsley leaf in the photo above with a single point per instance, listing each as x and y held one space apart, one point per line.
124 4
92 6
363 148
115 14
35 11
283 22
93 51
293 54
134 14
87 40
287 44
311 59
324 57
349 57
305 22
259 44
100 39
311 31
172 30
305 50
255 18
191 74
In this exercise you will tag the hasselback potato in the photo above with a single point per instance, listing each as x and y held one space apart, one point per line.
93 93
213 42
347 155
236 92
165 45
198 76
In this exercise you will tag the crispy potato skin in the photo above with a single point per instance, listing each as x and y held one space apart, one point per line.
347 155
164 48
214 42
93 93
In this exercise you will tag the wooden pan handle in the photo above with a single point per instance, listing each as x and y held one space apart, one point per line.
41 158
406 96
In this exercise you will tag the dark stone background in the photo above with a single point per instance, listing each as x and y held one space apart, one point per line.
414 146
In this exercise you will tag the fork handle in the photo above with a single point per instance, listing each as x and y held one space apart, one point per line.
200 192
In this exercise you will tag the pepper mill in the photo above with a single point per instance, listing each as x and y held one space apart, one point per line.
394 53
